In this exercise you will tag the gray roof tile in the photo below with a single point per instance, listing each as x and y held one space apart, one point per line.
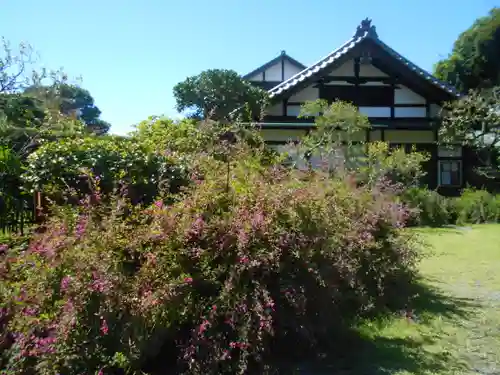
365 31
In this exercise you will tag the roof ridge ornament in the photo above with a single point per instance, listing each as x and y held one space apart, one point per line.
366 27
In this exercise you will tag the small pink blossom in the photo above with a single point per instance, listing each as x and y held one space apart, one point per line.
159 204
104 327
203 327
225 355
188 280
65 282
244 260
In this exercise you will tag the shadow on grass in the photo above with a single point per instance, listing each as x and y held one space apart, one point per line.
431 302
357 352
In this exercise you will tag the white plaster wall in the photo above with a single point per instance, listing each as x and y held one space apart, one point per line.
370 71
404 95
410 112
309 93
409 136
290 69
273 73
375 111
275 110
293 110
345 70
256 78
282 135
375 135
450 151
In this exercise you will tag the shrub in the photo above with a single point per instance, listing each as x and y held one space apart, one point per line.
217 281
477 206
160 134
429 207
114 161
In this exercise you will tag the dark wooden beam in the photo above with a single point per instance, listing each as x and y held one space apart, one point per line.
285 105
412 122
293 119
305 126
435 132
356 80
361 78
282 69
411 105
393 87
263 75
382 135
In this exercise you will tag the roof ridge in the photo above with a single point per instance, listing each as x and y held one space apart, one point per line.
368 32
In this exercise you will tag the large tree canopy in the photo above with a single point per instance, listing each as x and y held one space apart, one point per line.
26 93
475 59
216 94
72 100
474 120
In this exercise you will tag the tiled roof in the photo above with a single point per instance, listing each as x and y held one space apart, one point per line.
282 56
364 31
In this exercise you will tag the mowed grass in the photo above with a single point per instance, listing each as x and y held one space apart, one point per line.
456 324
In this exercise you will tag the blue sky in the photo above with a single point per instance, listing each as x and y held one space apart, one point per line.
131 53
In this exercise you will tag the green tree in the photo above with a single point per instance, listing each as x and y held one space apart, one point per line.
475 59
333 143
72 100
20 109
219 94
474 121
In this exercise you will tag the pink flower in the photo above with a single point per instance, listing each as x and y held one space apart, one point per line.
100 372
104 327
244 260
98 284
159 204
3 248
81 226
188 280
66 280
203 327
225 355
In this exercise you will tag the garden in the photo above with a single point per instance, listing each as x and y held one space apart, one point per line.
190 246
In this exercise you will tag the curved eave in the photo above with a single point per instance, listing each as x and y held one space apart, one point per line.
317 68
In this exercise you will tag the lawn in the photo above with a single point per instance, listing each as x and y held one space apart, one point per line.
456 324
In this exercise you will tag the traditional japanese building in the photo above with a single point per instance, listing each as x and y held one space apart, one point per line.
401 100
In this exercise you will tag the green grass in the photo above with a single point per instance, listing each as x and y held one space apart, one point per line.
457 327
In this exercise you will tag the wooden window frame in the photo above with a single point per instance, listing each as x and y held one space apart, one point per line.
440 162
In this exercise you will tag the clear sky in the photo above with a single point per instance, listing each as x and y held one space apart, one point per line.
130 53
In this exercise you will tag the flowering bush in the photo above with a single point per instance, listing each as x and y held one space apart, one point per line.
214 283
